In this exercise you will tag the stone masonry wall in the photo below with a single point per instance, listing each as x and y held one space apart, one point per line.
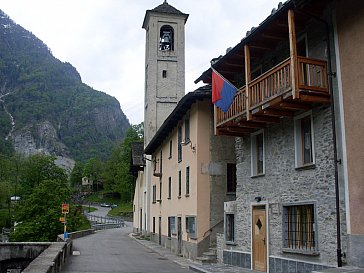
282 184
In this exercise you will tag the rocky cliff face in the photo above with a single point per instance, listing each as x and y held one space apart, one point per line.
45 107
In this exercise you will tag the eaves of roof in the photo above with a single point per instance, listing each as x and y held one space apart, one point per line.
164 8
172 120
250 35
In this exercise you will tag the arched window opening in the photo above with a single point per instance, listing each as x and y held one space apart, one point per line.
166 38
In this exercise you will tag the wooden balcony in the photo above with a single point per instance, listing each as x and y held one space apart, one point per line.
274 95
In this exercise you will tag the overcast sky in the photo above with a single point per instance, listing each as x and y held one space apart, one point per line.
105 41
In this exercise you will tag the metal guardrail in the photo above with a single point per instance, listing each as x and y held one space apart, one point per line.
104 222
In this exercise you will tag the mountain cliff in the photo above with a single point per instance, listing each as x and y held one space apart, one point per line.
44 106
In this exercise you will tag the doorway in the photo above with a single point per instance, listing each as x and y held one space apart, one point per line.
259 238
160 231
179 235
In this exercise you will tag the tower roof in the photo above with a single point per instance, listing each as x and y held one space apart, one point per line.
166 9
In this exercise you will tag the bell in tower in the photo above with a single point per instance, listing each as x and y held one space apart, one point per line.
166 38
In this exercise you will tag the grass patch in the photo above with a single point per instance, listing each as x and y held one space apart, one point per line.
123 210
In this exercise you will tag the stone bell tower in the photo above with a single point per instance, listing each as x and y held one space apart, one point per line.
164 65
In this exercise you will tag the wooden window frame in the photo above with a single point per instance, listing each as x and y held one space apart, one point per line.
300 228
300 141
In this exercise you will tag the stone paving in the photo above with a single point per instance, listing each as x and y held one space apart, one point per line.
194 266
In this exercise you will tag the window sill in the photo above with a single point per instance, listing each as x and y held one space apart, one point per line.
187 195
154 202
169 157
306 167
230 243
257 175
179 197
301 251
169 198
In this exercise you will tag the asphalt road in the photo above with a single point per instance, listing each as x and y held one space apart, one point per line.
114 251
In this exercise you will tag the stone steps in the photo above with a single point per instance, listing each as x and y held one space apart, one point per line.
208 257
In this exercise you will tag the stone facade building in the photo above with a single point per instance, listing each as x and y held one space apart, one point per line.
299 186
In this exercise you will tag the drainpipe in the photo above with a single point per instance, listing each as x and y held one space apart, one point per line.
336 161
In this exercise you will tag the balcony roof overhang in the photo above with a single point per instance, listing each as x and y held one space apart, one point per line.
261 39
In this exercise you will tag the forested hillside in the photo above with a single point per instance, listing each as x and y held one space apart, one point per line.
44 106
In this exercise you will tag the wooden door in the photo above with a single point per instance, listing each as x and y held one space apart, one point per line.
179 235
259 234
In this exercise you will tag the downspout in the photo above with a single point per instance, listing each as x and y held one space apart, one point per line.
336 161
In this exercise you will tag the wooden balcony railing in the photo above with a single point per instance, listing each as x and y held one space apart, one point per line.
312 75
312 78
271 84
237 108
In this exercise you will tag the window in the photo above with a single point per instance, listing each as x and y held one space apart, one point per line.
169 187
170 149
231 177
304 140
154 197
257 153
166 38
179 143
179 184
164 73
153 229
187 128
191 226
229 227
187 181
299 227
171 225
160 190
160 161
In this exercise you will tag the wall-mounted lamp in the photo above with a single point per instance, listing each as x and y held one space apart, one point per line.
258 198
188 141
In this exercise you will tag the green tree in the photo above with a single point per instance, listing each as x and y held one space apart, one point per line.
93 170
116 174
38 168
76 175
39 213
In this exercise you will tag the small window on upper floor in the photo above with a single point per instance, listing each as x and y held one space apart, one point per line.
170 149
179 137
304 148
257 154
166 38
187 128
164 73
231 178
